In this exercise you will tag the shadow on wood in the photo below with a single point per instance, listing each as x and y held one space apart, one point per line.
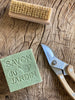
3 83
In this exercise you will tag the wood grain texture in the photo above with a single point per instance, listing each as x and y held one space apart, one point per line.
17 35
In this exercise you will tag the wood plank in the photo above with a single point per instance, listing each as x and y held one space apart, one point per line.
18 35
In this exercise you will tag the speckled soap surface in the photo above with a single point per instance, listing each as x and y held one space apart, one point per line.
21 70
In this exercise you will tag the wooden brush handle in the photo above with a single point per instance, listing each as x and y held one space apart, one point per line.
70 71
66 86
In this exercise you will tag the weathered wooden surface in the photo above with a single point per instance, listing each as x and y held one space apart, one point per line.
17 35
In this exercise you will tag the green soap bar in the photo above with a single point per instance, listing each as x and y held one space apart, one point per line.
21 70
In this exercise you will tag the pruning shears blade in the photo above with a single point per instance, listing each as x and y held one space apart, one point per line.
54 61
48 52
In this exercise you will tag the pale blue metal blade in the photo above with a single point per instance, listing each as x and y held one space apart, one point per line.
51 58
48 52
47 49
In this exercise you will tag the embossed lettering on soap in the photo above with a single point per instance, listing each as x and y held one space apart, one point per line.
24 77
22 63
19 60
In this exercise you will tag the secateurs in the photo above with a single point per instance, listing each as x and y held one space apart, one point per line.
60 68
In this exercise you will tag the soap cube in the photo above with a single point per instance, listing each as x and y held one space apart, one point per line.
20 70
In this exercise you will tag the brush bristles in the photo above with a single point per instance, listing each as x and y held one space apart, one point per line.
31 10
